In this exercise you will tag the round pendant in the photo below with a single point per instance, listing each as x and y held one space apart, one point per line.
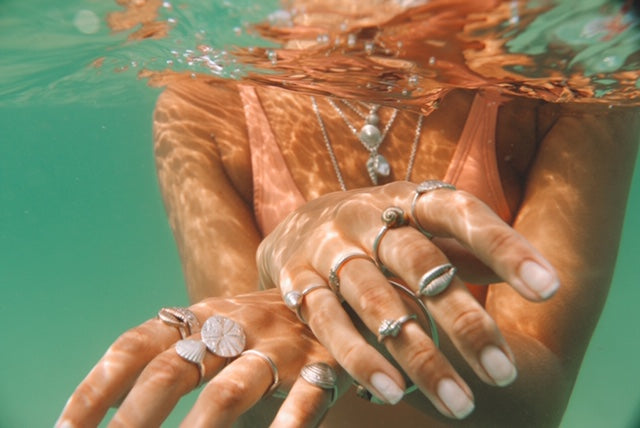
373 119
370 135
223 336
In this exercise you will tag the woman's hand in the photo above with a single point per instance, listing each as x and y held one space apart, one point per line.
319 238
143 372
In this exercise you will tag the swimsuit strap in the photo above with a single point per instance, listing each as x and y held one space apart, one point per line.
275 194
474 167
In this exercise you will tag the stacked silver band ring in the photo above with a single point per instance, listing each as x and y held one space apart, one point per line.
182 318
389 327
334 278
392 218
436 280
293 299
323 376
421 189
272 366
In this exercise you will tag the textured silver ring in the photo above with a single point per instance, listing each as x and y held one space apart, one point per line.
193 351
334 272
389 327
272 366
182 318
223 336
392 218
323 376
293 299
436 280
421 189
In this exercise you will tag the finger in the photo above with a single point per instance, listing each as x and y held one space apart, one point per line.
371 296
305 406
472 330
460 215
233 391
335 330
116 372
431 371
161 384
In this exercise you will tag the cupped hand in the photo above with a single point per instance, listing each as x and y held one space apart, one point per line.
334 249
143 373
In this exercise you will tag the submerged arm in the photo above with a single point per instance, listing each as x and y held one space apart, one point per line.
196 133
572 213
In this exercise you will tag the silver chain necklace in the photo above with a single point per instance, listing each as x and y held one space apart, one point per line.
332 155
370 137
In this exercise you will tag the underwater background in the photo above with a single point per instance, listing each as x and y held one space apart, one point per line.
85 248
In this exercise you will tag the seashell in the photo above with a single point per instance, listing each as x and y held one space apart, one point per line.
436 280
191 350
223 336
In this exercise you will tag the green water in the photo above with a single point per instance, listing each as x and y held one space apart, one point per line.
86 252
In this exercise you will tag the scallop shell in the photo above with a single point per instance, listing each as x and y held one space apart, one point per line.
191 350
223 336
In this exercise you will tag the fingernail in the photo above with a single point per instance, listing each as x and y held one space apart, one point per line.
498 366
389 390
64 424
538 279
454 398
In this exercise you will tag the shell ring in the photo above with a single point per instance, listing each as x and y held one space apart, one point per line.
323 376
392 218
182 318
392 328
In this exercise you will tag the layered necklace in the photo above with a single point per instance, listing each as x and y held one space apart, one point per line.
371 138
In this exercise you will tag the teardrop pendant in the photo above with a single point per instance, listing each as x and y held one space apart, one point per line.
383 167
377 166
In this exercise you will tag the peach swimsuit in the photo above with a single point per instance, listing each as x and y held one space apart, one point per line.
473 167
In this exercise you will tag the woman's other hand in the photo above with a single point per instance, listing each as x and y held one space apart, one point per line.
143 373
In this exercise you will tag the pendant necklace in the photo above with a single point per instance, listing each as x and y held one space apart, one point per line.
371 138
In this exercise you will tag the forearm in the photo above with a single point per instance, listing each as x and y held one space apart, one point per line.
212 222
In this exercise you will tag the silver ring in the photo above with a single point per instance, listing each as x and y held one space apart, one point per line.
389 327
193 351
436 280
182 318
323 376
272 366
223 336
421 189
334 272
293 299
392 218
433 330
